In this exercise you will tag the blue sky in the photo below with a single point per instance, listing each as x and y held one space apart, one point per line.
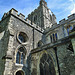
61 8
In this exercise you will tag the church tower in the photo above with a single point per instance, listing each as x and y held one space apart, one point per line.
42 16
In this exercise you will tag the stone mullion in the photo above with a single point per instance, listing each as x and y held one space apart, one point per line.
54 37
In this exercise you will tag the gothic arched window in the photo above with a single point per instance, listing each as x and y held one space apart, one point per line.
46 65
53 37
20 56
69 28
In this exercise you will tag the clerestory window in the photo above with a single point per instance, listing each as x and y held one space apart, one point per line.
53 37
69 28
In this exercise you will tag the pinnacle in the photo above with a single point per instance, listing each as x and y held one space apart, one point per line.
42 0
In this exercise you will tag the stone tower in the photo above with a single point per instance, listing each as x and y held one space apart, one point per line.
17 38
28 47
42 16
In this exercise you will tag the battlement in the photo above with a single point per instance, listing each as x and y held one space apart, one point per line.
71 17
34 25
36 10
33 11
21 17
62 21
13 12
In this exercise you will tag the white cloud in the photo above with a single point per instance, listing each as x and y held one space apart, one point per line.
73 11
71 0
61 8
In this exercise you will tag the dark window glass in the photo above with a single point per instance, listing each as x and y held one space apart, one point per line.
19 73
68 31
40 43
71 28
56 36
46 67
51 38
22 58
73 25
21 37
18 57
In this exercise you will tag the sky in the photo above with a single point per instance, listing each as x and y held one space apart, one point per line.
61 8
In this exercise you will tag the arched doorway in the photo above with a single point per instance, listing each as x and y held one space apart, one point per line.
19 73
46 65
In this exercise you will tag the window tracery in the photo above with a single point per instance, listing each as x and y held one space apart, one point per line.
46 65
53 37
20 56
22 37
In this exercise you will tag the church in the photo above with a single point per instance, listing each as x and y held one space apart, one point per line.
37 45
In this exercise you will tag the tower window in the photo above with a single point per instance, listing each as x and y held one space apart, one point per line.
35 18
20 56
22 37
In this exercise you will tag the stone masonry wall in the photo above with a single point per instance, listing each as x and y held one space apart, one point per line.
16 26
66 60
4 39
35 61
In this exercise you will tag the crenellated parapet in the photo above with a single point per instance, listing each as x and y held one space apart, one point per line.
34 11
13 12
69 18
34 25
22 18
62 21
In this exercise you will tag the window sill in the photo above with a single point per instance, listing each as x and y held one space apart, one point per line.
19 64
